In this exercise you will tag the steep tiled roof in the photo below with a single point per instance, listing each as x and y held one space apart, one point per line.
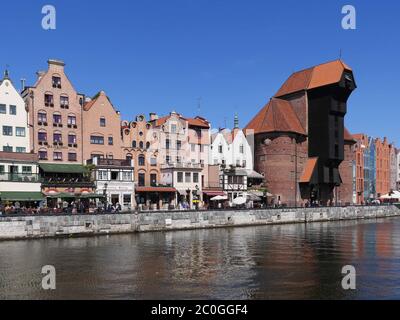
308 170
88 105
318 76
277 116
195 122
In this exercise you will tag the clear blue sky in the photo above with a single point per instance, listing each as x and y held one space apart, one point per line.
161 55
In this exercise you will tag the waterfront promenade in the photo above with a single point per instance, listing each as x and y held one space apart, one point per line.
66 225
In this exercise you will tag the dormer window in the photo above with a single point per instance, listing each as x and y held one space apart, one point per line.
56 82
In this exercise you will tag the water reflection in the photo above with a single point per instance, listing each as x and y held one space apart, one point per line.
270 262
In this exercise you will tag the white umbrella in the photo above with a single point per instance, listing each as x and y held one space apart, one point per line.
218 198
239 200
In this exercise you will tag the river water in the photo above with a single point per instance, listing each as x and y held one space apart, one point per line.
268 262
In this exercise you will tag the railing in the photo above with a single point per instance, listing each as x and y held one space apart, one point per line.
67 181
98 211
20 177
110 162
188 165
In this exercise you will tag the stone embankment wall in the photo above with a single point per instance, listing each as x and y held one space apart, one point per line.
29 227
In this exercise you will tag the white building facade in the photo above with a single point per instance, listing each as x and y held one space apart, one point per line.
14 135
231 148
114 179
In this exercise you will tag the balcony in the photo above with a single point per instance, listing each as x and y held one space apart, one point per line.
19 177
67 181
110 162
180 165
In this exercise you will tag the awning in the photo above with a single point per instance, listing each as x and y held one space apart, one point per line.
259 193
21 196
91 196
62 168
61 195
309 169
254 175
214 193
155 189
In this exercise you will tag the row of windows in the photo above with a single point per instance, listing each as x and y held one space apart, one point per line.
238 162
220 148
15 169
57 155
142 179
57 118
49 101
57 137
142 160
188 177
12 109
114 175
11 149
141 145
8 131
100 140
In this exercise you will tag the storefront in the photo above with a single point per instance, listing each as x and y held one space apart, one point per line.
155 198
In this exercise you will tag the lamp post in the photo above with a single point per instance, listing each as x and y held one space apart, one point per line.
197 196
105 196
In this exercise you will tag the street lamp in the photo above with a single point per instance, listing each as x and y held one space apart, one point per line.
105 195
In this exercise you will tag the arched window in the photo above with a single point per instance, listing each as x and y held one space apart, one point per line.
57 118
128 156
141 160
134 144
42 117
141 145
147 145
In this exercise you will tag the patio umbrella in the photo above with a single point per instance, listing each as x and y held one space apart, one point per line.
253 197
218 198
239 200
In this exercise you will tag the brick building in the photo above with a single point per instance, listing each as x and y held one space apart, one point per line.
383 149
101 129
300 141
55 114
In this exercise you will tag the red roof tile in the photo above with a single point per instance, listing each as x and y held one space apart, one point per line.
317 76
308 170
277 116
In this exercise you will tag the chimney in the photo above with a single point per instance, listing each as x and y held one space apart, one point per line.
23 84
56 65
153 116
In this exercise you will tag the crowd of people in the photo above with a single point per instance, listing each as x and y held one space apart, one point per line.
72 207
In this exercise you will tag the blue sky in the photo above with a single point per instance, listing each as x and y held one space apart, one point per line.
163 55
